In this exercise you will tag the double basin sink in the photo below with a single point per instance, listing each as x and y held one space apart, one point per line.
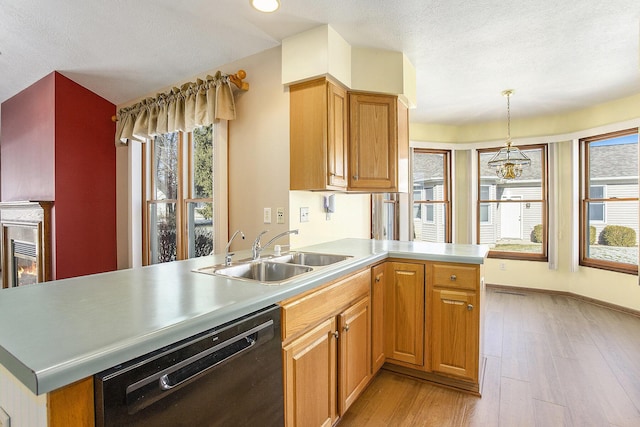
275 269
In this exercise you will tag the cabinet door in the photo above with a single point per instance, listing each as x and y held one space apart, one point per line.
404 316
318 136
310 377
454 333
337 126
373 141
377 317
354 369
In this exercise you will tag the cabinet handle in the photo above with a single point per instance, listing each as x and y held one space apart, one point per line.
336 334
469 307
378 278
346 328
453 277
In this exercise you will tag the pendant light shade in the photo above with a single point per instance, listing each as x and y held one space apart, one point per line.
509 161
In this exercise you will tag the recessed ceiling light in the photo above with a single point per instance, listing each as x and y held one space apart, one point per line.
265 5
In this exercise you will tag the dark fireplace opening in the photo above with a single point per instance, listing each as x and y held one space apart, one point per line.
25 263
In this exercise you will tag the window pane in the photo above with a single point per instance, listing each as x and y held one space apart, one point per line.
165 167
202 162
200 228
428 174
616 239
530 181
614 158
431 224
162 232
516 227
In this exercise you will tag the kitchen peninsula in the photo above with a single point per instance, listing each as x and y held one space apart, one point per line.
57 333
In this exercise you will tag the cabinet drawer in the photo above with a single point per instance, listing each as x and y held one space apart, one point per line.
462 276
300 313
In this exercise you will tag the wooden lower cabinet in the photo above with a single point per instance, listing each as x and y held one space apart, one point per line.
404 313
327 363
354 344
378 279
454 335
310 364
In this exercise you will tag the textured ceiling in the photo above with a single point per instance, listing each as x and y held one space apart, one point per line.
557 55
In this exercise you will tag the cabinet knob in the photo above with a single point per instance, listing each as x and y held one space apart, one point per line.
469 307
453 277
346 328
355 177
336 334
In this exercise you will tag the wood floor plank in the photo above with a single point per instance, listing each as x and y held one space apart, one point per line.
545 383
516 403
549 414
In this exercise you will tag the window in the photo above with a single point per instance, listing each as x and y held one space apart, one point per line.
431 195
178 212
609 201
512 214
485 192
596 209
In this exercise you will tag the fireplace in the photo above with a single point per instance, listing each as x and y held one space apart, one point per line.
26 243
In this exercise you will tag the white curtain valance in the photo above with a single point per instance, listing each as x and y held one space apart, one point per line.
194 104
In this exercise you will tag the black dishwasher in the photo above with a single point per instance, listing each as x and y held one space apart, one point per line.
227 376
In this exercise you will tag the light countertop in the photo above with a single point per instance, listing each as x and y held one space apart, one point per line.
58 332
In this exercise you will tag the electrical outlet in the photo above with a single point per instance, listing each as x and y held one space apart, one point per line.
304 214
267 215
280 215
503 266
5 419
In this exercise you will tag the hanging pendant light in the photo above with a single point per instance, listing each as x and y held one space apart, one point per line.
509 161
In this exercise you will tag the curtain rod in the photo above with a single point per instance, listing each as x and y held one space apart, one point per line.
237 79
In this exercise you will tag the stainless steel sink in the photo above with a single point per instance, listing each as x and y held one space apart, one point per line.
310 258
260 271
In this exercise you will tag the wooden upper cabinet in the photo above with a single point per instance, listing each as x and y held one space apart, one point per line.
378 143
318 136
343 140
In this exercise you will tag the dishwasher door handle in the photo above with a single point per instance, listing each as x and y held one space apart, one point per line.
189 369
176 377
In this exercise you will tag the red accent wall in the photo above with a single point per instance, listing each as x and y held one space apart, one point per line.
27 143
74 143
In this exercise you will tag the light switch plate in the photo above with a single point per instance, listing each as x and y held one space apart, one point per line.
267 215
304 214
280 215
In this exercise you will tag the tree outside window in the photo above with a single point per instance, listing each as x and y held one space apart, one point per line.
179 203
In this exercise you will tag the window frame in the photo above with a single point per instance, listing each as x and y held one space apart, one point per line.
185 186
446 193
489 220
544 201
584 200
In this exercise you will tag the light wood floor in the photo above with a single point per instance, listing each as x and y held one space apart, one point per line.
551 361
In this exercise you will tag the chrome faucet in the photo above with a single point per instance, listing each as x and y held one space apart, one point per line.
257 248
227 255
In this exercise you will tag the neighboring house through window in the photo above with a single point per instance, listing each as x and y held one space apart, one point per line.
609 201
512 214
431 172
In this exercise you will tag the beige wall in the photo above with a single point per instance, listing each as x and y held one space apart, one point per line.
352 217
616 288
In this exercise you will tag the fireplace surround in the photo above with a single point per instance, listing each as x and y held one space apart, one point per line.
26 242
